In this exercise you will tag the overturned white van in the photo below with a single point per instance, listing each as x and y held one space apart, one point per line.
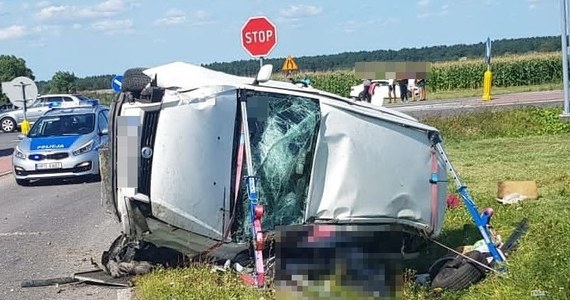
173 173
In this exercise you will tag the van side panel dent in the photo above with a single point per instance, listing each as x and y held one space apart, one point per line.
371 168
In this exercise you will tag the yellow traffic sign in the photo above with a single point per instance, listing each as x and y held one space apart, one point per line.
289 64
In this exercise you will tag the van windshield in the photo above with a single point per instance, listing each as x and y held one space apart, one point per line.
283 131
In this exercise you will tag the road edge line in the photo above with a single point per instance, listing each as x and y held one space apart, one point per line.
5 173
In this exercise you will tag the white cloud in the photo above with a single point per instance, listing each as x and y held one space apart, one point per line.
444 10
25 6
173 17
300 11
532 4
116 5
69 12
112 27
47 29
107 8
352 26
77 26
43 4
200 18
176 17
12 32
423 9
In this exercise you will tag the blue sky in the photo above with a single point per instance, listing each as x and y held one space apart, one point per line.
93 37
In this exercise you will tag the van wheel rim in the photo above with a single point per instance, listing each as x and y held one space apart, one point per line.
7 125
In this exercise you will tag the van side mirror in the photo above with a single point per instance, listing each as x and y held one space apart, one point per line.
264 74
21 136
104 131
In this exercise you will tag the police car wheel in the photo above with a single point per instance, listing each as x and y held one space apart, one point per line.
8 124
134 80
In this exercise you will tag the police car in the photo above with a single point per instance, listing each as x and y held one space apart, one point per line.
63 143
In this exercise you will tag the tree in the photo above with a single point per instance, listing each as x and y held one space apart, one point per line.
10 68
63 82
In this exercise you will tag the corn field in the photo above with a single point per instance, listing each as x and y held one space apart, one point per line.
511 70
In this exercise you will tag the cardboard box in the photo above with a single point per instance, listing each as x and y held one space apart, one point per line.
526 188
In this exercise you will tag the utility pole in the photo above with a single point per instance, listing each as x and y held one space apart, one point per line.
564 40
25 124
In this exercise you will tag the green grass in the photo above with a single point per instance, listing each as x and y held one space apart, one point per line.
495 91
533 147
196 283
542 261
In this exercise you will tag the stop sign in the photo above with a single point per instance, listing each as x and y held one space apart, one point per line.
258 36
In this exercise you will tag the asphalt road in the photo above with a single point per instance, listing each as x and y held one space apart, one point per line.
7 143
420 109
51 231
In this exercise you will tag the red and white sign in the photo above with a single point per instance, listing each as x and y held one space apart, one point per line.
258 36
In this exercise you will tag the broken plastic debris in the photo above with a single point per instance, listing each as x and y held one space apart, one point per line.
453 201
238 267
512 198
422 279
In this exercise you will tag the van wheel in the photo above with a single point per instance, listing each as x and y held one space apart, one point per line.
8 124
135 81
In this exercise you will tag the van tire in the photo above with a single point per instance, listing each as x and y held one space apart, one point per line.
460 273
134 81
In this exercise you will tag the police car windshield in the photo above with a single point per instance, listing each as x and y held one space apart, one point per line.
77 124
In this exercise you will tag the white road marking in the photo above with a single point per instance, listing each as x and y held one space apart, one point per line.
124 294
17 233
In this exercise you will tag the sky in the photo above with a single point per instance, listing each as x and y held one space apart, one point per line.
96 37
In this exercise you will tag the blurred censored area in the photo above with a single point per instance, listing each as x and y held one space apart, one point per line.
128 144
338 262
392 70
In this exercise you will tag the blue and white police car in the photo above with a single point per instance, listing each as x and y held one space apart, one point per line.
63 143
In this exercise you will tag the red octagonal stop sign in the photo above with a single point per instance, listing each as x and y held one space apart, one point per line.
258 36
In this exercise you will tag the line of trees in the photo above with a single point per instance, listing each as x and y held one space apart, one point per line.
64 81
347 60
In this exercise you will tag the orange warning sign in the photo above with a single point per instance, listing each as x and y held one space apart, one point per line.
289 64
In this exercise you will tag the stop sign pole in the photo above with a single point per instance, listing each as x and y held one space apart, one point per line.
258 37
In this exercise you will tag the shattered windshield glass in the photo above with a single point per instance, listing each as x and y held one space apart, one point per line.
283 131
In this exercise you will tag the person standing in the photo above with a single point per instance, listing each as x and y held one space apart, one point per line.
392 90
421 83
403 83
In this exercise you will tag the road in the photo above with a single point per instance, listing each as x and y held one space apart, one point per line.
51 231
421 109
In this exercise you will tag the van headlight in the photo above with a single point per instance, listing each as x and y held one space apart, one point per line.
19 154
83 149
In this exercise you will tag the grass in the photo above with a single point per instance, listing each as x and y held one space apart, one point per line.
468 93
197 283
542 262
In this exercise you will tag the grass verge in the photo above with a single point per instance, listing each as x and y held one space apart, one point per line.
468 93
539 150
